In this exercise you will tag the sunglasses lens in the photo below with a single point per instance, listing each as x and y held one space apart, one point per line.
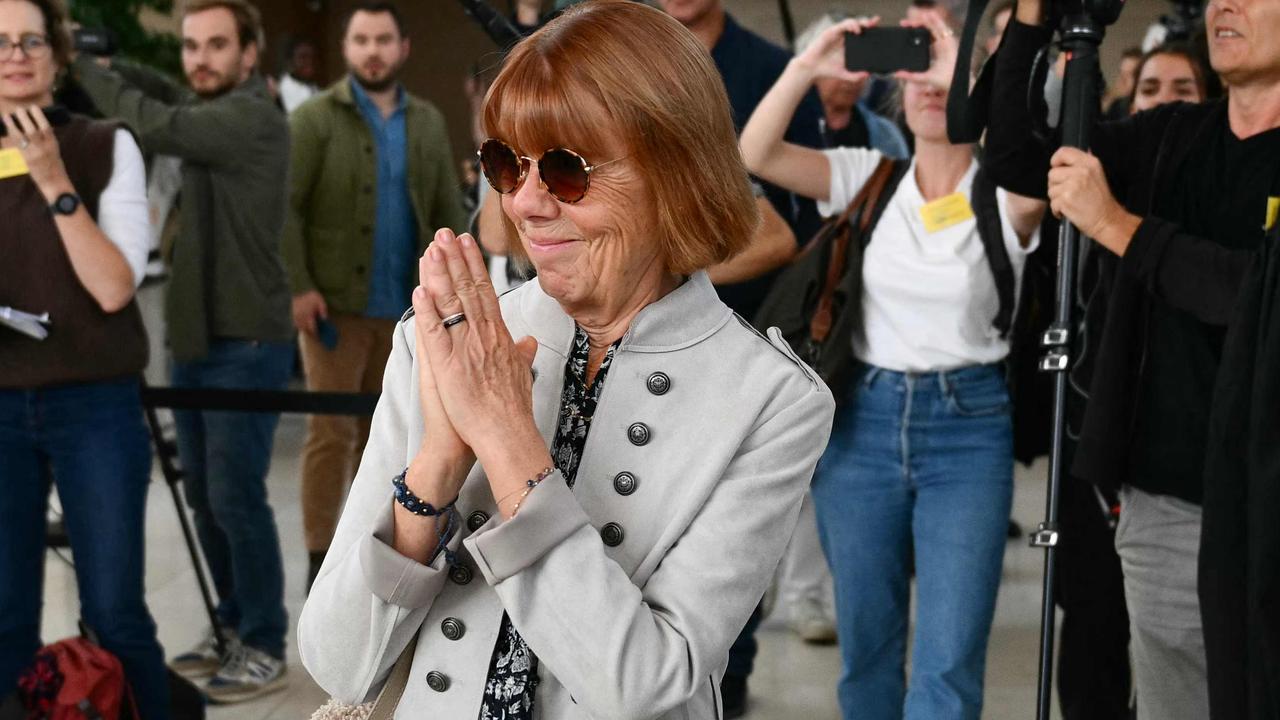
564 173
501 166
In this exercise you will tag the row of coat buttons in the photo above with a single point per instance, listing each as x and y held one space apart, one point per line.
624 483
453 629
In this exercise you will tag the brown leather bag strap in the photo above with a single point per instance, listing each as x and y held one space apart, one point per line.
821 322
875 187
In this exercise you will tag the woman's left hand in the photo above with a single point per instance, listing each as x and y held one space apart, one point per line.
483 377
945 48
29 131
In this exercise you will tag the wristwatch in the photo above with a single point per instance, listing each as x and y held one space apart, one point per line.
65 204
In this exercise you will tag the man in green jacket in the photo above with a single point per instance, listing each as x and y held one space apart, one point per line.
372 181
227 313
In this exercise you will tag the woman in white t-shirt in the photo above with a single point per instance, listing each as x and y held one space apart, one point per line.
919 470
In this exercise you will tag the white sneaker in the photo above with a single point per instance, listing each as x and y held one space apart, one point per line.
247 674
810 621
203 660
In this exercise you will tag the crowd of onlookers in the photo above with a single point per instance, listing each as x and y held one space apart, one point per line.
292 216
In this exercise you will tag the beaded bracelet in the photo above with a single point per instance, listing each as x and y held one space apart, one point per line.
443 537
529 485
413 503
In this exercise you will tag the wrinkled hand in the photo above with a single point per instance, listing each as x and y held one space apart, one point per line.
29 131
482 377
1078 190
944 50
441 446
307 307
824 58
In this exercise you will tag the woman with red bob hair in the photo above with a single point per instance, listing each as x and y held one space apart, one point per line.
586 539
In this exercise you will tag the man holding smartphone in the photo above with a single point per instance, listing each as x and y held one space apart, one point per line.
1179 201
352 258
227 313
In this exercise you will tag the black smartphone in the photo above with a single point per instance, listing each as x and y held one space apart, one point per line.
886 50
327 333
94 41
55 114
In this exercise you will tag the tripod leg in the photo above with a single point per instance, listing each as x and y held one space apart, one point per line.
173 477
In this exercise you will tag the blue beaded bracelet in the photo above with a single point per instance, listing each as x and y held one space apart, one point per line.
413 503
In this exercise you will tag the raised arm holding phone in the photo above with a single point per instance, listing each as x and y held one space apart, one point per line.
927 395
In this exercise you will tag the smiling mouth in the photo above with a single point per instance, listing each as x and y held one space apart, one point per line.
1227 34
550 243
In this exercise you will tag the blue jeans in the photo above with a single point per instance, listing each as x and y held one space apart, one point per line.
88 439
920 466
225 456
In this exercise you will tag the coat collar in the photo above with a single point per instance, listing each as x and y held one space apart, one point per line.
683 317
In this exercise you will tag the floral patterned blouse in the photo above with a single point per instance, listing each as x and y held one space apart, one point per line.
513 670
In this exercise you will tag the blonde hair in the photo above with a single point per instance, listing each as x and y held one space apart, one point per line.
615 68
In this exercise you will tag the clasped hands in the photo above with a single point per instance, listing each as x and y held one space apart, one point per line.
475 382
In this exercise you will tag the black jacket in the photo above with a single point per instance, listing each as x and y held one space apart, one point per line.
1240 538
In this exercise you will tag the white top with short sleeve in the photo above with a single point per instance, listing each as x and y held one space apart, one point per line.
929 299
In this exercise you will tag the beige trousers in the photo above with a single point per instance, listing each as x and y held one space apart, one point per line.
334 443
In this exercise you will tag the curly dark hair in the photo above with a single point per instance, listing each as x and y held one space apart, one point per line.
55 26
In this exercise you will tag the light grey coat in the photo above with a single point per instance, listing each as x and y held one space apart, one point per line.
637 625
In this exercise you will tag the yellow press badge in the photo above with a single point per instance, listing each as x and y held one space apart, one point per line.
12 164
945 212
1273 210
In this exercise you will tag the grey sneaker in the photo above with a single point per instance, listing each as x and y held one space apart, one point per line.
248 673
810 621
203 660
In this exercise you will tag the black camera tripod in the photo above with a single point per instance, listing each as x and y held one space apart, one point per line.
1081 33
1081 26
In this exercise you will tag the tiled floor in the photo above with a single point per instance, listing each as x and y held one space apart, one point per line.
792 680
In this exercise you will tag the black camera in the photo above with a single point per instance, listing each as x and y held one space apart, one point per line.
94 41
1103 12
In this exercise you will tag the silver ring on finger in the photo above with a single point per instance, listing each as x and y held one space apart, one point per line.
23 143
453 319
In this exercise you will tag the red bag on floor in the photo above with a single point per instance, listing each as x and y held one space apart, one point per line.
75 679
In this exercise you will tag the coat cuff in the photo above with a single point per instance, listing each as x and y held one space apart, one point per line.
548 516
396 579
1146 249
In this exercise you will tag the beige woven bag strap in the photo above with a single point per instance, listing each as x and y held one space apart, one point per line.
385 706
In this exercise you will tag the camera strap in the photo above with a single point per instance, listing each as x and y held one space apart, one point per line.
967 109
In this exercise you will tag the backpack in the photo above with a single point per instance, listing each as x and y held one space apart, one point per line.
816 301
75 679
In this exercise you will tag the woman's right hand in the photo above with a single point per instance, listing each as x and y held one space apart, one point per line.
824 58
442 457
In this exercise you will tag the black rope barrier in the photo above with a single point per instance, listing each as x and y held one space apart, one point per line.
267 401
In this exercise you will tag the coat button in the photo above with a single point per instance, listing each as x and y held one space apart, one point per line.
368 189
624 483
460 574
659 383
612 534
638 433
437 681
476 519
453 628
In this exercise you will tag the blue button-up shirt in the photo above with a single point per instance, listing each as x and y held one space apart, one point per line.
395 229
